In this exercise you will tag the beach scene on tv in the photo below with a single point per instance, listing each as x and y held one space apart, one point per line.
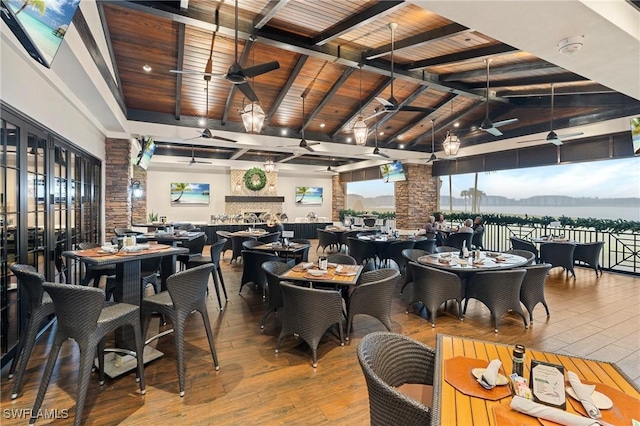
45 21
309 195
392 172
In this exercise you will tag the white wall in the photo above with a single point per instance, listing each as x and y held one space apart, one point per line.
159 183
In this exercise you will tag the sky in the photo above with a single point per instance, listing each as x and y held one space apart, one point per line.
619 178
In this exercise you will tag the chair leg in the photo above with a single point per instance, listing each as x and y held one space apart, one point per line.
178 334
139 340
207 328
264 317
84 375
101 346
224 289
46 378
214 274
24 352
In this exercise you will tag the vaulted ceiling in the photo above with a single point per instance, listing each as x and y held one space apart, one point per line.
338 53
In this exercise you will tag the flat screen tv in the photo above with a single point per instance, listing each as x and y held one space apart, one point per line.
39 26
635 134
392 172
146 154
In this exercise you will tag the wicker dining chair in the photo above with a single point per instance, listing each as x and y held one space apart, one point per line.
411 255
533 287
372 296
362 251
302 256
426 244
389 360
236 243
520 244
432 287
215 252
39 307
308 313
589 254
327 239
186 293
559 254
531 257
497 290
195 247
459 239
252 271
341 259
393 252
273 270
94 272
83 317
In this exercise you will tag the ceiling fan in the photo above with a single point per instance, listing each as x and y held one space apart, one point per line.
488 125
236 74
327 170
303 142
193 159
206 133
552 136
376 150
433 150
391 104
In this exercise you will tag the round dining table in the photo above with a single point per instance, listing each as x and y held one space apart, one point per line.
451 262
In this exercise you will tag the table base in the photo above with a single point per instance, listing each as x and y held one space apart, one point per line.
117 364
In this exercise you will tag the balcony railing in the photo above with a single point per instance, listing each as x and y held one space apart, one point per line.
621 251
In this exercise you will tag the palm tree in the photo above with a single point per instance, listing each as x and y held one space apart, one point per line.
179 187
479 195
301 190
465 194
386 171
39 5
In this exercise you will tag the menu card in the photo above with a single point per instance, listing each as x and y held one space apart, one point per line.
547 384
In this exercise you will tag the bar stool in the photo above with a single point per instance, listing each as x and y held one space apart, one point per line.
214 257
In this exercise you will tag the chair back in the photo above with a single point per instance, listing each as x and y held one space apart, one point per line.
121 232
427 244
456 240
216 250
326 238
309 305
523 253
366 232
447 249
394 251
87 245
535 278
369 221
30 282
236 244
196 245
558 254
341 259
412 255
273 270
589 253
189 288
252 267
249 244
344 237
272 237
304 256
389 360
77 307
497 288
150 266
361 250
431 284
520 244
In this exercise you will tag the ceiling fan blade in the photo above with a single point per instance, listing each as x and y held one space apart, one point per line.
416 109
220 138
193 72
246 89
308 148
492 130
377 113
570 135
385 102
260 69
555 141
313 143
505 122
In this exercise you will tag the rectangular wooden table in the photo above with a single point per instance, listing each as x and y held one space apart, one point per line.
285 252
453 407
352 273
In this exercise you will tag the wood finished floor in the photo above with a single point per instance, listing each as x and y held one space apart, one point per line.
594 318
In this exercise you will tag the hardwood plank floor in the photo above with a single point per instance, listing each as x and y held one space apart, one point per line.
594 318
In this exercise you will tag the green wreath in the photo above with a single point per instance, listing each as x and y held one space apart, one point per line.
255 179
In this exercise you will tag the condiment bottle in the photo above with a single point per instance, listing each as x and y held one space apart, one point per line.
518 360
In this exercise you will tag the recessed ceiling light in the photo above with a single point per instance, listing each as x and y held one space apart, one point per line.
401 146
283 132
381 133
146 67
202 122
322 125
456 124
349 139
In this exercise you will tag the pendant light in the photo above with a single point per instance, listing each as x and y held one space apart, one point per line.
451 142
360 131
433 136
252 114
269 166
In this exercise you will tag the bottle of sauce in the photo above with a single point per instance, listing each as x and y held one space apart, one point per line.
518 360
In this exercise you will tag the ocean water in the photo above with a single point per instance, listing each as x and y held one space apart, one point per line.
190 198
309 199
598 212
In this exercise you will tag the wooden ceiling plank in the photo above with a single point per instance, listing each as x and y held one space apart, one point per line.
302 59
232 90
328 96
577 101
377 11
412 97
594 88
268 13
181 37
418 40
356 112
239 154
445 124
477 53
505 69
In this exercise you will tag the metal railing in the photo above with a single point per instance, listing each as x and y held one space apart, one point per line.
621 251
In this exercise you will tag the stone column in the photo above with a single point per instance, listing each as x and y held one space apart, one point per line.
416 197
117 185
139 205
339 192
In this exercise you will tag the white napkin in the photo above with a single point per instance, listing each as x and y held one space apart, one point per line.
556 415
109 249
584 392
490 375
338 269
306 265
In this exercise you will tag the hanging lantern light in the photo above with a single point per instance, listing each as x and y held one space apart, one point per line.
360 131
252 117
269 166
451 144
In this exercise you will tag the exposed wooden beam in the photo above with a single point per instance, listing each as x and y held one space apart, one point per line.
345 75
356 112
419 118
238 154
505 69
530 81
421 39
181 37
302 59
374 12
412 97
248 45
577 101
582 89
477 53
291 157
184 4
269 11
